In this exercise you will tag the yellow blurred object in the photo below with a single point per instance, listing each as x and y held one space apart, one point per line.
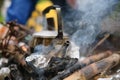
36 19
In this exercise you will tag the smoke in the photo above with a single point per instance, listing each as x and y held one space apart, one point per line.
84 23
112 23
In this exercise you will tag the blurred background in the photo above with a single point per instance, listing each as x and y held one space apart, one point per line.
4 4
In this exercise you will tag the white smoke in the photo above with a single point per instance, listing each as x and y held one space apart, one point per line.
84 22
95 10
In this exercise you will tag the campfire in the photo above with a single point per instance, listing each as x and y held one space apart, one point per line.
84 53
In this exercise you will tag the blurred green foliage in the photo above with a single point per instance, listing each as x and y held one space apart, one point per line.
116 12
1 18
117 8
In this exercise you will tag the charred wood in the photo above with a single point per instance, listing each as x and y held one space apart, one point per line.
81 64
90 71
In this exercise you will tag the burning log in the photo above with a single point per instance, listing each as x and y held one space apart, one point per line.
54 66
106 36
95 68
81 64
